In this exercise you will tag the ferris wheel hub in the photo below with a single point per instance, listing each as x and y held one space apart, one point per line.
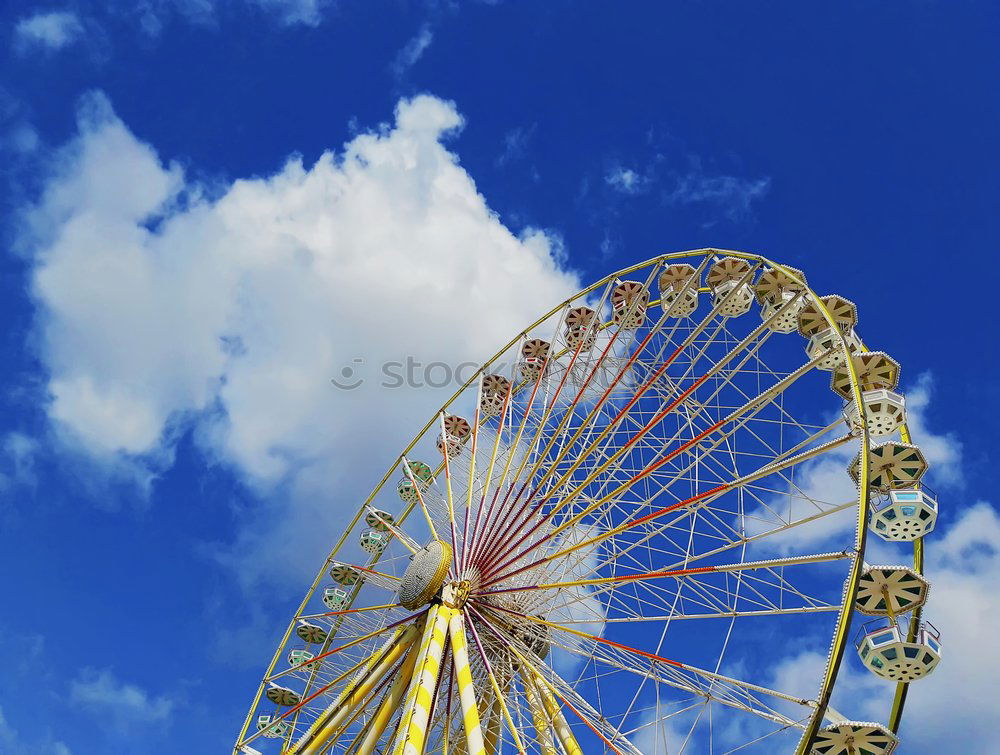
424 577
456 594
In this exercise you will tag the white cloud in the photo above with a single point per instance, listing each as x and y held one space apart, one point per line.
7 732
119 703
17 464
964 569
515 144
15 744
660 734
942 451
51 31
294 12
733 195
412 51
626 180
162 310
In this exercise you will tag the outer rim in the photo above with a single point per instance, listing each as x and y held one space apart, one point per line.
843 624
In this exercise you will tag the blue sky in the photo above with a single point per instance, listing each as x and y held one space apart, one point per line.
161 462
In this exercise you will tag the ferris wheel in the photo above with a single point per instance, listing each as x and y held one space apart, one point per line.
613 536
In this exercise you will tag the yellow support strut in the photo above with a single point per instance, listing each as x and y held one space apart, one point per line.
466 688
565 734
326 727
543 730
413 729
376 726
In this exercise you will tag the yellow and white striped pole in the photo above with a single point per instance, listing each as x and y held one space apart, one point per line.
563 731
466 688
411 689
413 727
326 726
369 736
543 729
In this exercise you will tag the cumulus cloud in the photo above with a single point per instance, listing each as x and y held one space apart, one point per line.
161 309
49 31
122 704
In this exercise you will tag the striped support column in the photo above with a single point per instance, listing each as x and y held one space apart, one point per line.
326 726
543 730
413 731
466 689
369 736
563 731
411 689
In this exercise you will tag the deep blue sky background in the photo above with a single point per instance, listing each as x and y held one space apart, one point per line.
871 129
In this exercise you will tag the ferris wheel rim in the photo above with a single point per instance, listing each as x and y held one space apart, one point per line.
843 622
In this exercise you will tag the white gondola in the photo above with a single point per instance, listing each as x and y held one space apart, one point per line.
298 656
271 728
374 541
885 412
829 341
675 300
785 310
729 279
629 301
453 444
732 298
456 431
534 355
685 307
580 333
335 598
780 292
495 388
422 477
887 651
904 515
